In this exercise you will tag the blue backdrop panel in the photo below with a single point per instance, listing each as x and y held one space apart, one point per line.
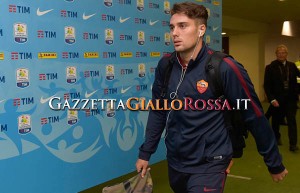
78 49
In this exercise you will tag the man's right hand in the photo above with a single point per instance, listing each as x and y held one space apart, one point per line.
142 166
279 177
275 103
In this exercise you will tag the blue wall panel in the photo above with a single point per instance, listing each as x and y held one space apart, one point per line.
78 49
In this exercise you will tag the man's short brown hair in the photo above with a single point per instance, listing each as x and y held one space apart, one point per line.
192 10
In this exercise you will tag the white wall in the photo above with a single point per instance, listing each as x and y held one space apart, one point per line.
292 43
248 49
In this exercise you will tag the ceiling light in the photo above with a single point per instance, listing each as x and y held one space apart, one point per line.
286 29
223 33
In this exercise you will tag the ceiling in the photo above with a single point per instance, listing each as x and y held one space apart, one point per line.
266 11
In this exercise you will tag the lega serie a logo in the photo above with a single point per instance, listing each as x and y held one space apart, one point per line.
110 72
71 74
108 3
20 32
22 77
109 36
70 37
24 124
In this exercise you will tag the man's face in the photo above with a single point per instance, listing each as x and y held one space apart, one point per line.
281 54
184 33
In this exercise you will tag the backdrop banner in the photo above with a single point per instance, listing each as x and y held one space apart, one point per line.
68 68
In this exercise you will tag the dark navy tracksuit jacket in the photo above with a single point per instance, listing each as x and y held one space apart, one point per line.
197 141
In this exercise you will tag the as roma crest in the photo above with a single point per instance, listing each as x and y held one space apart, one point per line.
202 86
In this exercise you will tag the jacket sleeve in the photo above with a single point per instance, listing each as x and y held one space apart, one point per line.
238 86
156 118
267 83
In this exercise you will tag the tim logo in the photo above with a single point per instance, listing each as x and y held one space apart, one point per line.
70 55
46 34
23 101
108 3
141 54
2 79
18 9
153 5
106 17
152 70
69 14
49 120
88 74
3 127
74 95
154 39
125 2
165 23
124 37
141 87
93 112
48 76
109 54
216 15
126 71
90 36
108 91
140 21
21 55
216 41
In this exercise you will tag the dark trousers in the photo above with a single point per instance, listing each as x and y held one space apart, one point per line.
287 108
196 183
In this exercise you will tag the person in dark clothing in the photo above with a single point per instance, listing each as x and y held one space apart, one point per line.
199 149
280 84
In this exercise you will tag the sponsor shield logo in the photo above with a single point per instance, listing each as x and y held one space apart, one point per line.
141 38
108 3
71 74
167 8
202 86
109 36
140 5
22 76
208 39
20 33
208 11
167 39
142 70
24 124
110 72
72 117
70 37
110 110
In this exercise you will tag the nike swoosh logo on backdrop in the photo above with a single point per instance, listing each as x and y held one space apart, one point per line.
125 90
40 13
123 20
42 100
153 22
88 95
2 100
86 17
215 28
